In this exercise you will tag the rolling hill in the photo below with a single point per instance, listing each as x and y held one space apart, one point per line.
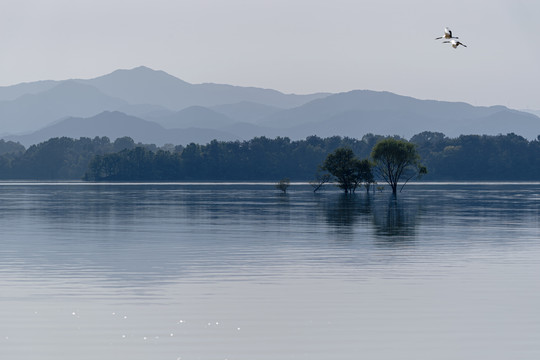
114 124
153 106
140 92
143 85
361 111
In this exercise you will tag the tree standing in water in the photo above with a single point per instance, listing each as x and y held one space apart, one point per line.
283 185
366 173
395 160
348 170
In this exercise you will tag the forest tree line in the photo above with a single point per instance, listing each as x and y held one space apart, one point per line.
468 157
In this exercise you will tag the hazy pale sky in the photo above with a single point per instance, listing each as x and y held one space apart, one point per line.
294 46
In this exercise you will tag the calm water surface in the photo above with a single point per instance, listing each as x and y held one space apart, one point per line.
183 271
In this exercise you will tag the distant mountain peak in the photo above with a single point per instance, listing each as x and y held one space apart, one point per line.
137 77
111 113
142 68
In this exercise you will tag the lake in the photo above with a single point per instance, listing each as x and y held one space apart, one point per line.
242 271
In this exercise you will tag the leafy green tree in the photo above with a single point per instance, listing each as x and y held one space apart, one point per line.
10 147
395 160
123 143
192 160
344 166
365 173
103 167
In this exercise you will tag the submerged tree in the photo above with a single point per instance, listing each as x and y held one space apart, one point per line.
342 164
321 178
395 160
283 184
349 171
365 170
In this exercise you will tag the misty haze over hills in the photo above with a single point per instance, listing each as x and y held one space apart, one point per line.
154 107
115 124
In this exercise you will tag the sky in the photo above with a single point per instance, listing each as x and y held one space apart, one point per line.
294 46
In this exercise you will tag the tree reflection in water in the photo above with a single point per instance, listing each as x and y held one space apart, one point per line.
346 214
395 220
346 210
390 219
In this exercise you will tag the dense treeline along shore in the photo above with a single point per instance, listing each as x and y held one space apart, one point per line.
468 157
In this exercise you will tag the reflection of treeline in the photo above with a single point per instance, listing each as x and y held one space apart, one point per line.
471 157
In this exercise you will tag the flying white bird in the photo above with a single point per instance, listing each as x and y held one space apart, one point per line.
447 34
455 43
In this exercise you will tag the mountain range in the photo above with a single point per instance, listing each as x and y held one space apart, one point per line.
154 107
